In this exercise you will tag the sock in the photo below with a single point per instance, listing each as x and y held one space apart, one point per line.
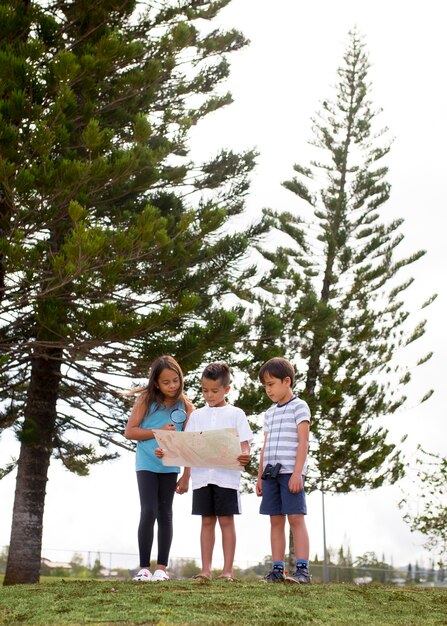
279 565
302 564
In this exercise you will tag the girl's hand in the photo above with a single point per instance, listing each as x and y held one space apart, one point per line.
168 426
244 458
159 452
259 487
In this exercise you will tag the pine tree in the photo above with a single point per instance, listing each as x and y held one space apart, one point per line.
441 571
338 313
333 302
417 573
431 572
113 243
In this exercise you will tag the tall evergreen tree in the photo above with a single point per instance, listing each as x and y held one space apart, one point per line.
431 572
338 311
113 247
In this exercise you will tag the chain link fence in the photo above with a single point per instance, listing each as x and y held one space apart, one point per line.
122 565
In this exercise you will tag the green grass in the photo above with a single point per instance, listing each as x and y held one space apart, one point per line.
219 602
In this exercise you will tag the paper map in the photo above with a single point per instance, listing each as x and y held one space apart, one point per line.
211 448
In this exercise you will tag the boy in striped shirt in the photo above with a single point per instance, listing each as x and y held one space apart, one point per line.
282 469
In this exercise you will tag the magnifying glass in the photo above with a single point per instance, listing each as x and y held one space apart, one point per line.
178 416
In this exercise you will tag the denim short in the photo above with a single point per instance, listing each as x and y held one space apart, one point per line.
277 499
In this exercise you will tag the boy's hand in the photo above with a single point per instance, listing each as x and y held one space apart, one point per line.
182 485
244 458
159 452
259 487
295 483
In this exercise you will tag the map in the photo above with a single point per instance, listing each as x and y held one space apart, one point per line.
211 448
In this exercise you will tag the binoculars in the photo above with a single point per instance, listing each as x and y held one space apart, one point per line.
271 471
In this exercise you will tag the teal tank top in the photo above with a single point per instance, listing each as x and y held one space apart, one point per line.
156 417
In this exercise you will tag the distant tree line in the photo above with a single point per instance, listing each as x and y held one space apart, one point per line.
342 568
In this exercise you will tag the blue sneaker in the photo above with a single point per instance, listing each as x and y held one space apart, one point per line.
275 576
301 577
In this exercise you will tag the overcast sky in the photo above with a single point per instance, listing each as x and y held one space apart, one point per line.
277 84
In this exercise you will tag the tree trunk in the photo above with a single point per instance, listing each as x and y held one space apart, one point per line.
37 436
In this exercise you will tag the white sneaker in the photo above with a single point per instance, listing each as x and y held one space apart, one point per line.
143 575
159 575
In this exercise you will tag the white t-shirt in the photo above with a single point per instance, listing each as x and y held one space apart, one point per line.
215 418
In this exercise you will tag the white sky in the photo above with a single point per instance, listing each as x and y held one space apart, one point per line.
278 83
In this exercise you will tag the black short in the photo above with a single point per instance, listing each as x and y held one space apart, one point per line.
215 500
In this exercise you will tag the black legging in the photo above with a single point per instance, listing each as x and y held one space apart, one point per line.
156 496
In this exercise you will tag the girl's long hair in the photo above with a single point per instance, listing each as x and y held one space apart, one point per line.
151 393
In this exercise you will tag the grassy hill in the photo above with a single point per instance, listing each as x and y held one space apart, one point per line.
219 603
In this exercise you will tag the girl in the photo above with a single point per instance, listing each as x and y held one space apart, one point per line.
156 482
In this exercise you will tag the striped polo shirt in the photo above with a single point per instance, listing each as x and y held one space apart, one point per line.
280 422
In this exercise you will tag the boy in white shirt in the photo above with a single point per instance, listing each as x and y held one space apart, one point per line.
216 494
